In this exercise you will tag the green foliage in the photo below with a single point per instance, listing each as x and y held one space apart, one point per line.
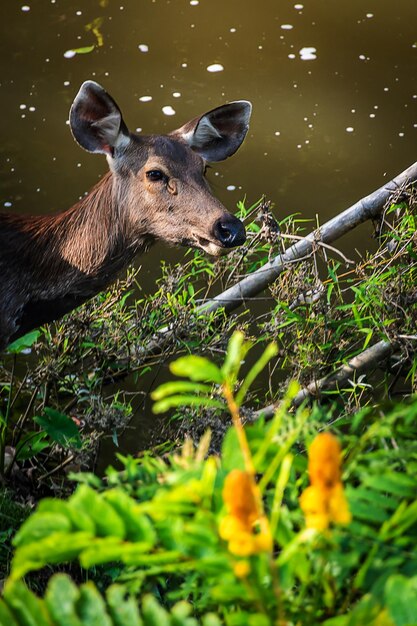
158 523
67 605
154 527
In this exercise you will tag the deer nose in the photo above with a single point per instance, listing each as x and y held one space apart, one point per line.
229 231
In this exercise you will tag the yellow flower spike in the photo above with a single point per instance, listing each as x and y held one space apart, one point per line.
324 501
240 496
245 526
324 460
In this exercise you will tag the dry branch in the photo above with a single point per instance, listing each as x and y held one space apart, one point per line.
369 359
368 208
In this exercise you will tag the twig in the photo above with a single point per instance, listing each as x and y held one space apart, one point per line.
366 360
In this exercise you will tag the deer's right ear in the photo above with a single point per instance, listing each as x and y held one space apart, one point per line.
96 121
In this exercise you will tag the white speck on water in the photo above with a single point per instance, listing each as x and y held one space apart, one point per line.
78 13
295 86
22 107
46 60
66 83
260 47
369 15
231 187
350 129
143 47
25 8
176 94
299 146
376 106
32 109
215 67
310 125
287 26
184 64
78 164
291 56
69 54
372 115
194 3
414 125
7 204
233 30
362 57
308 53
23 115
138 130
168 110
298 7
401 134
307 141
145 98
277 133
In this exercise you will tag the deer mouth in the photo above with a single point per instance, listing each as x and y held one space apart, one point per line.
213 248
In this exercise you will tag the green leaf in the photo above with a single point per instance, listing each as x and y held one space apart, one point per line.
196 368
105 518
393 483
179 386
40 525
153 613
31 445
138 526
56 548
61 597
236 352
83 50
232 457
91 607
401 599
270 351
27 609
24 343
175 401
60 428
124 611
6 618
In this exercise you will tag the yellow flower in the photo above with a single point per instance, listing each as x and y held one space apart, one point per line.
240 495
245 527
241 569
324 501
324 460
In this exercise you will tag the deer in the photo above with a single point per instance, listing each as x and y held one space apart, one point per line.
155 189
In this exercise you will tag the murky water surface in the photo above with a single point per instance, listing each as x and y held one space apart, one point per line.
333 84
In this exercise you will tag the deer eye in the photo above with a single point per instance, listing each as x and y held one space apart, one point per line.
155 175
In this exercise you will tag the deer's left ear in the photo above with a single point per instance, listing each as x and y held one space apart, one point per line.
217 134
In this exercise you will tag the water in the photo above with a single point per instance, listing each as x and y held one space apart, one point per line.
333 85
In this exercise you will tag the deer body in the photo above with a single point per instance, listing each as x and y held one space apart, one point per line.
155 189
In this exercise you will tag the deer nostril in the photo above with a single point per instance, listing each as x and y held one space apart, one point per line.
229 231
